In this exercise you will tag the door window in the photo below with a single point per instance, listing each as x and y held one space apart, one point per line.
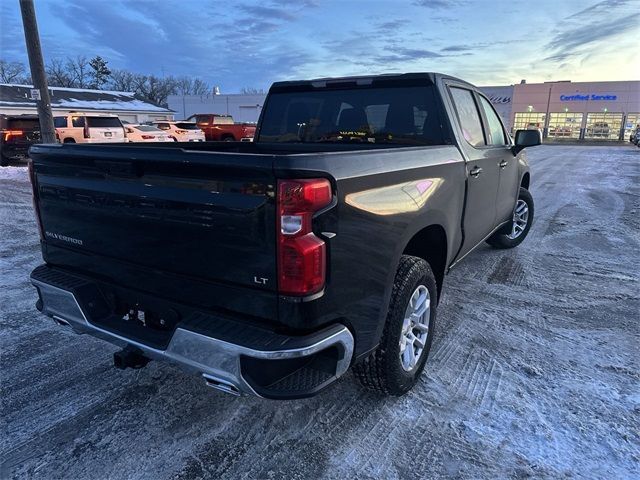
77 121
496 132
60 122
468 116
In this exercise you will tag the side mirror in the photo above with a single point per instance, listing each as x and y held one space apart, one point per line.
526 138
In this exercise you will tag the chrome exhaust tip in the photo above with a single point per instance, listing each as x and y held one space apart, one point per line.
221 385
60 321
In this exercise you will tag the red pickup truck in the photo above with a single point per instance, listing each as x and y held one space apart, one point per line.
218 127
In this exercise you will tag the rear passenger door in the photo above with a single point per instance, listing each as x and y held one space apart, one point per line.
482 168
500 146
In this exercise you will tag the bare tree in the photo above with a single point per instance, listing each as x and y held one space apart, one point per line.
122 81
79 70
251 91
13 72
57 74
184 86
190 86
200 87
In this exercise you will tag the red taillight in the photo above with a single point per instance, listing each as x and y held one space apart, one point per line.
148 137
86 131
11 133
301 255
34 197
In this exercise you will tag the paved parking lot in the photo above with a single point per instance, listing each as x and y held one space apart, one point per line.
534 369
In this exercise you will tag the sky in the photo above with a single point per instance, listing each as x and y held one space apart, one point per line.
242 43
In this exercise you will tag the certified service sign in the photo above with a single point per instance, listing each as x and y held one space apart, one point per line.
587 97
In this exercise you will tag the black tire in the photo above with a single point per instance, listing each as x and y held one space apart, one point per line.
501 238
4 161
69 140
228 139
382 370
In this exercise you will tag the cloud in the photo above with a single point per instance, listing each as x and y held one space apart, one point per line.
437 4
580 33
600 7
272 13
456 48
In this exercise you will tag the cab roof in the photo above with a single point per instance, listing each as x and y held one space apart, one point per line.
386 79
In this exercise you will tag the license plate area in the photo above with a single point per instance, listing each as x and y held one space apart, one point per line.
139 317
108 134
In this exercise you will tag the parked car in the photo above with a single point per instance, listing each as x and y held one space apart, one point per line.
146 133
598 130
636 137
17 134
218 127
561 131
181 131
633 138
89 128
270 268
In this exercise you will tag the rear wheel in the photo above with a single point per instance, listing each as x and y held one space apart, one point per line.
395 366
4 161
513 234
69 140
228 139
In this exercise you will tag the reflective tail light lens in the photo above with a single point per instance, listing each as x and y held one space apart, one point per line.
301 255
11 133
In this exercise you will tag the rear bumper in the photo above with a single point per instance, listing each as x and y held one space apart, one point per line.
230 356
11 150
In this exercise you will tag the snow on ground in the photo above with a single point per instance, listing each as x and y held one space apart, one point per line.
13 173
534 370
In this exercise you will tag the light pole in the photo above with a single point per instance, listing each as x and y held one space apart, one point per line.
40 92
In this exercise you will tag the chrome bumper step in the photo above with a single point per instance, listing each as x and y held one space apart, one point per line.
231 356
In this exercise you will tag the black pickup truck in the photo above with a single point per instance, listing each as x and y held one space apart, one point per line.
272 267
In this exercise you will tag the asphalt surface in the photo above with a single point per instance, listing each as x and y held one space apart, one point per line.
535 369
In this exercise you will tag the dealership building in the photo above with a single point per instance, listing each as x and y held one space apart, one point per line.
565 110
579 111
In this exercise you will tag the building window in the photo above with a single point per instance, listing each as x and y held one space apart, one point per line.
565 125
603 126
528 121
632 122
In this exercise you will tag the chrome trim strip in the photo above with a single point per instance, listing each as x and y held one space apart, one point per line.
216 360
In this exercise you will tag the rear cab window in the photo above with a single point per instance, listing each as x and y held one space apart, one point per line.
23 124
187 126
60 122
222 120
103 122
389 115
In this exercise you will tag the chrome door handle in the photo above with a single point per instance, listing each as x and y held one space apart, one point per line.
475 172
503 164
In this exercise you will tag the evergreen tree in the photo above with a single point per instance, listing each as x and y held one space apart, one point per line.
100 72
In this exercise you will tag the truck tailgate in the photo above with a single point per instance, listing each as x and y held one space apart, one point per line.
209 216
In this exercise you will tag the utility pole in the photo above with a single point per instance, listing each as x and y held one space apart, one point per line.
40 92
